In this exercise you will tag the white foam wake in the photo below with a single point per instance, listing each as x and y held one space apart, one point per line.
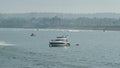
3 43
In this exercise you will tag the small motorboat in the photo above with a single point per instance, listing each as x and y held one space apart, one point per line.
59 42
32 34
77 44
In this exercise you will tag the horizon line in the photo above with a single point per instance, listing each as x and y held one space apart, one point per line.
59 13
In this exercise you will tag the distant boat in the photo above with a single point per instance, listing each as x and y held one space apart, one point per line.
77 44
32 34
59 42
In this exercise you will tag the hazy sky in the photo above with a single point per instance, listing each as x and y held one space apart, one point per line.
61 6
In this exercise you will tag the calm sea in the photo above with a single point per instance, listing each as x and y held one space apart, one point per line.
97 49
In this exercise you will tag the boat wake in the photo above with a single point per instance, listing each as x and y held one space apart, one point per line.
3 43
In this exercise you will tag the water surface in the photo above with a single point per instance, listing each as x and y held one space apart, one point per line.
97 49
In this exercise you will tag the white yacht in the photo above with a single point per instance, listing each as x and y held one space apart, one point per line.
59 42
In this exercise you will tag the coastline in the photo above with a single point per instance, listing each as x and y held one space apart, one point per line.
88 28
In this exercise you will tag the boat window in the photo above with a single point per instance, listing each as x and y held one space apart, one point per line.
60 40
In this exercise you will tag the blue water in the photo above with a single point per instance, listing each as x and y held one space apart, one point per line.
97 49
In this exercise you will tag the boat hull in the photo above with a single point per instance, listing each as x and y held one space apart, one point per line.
58 45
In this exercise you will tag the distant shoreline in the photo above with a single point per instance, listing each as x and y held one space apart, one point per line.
98 21
81 28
